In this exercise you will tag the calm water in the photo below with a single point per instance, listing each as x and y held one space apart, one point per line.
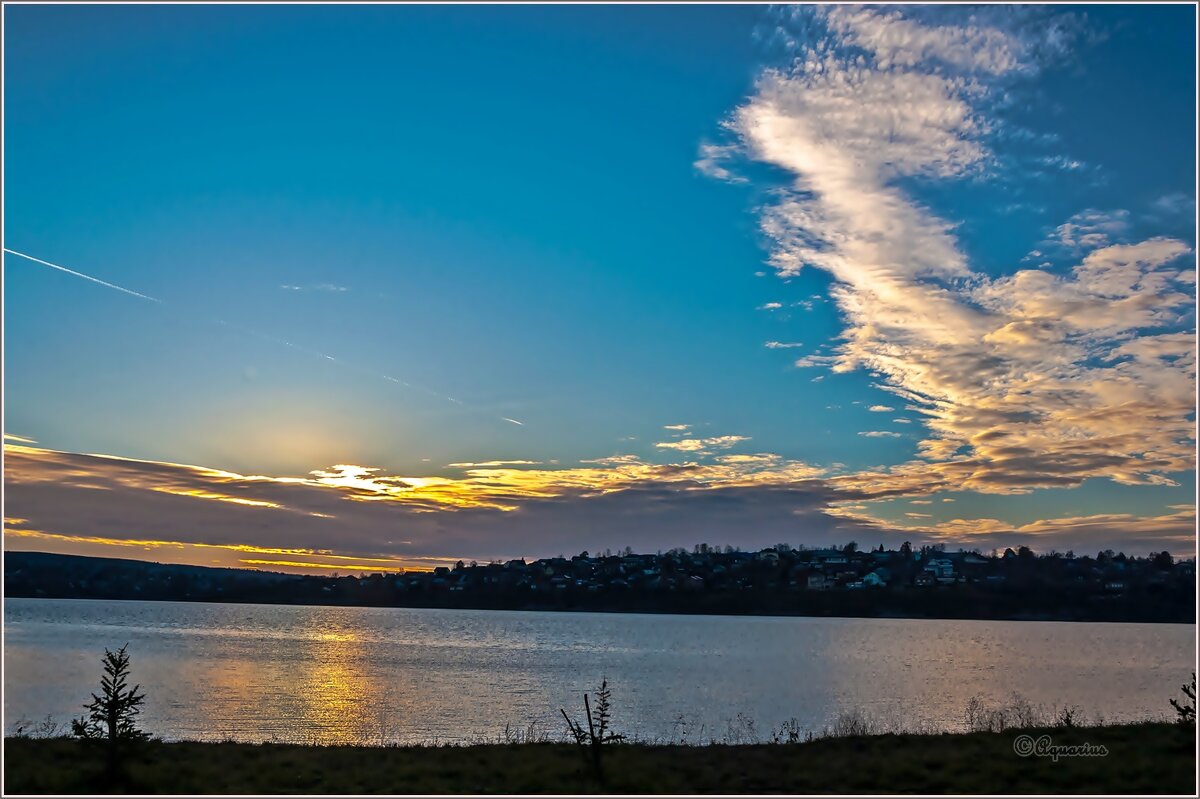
268 672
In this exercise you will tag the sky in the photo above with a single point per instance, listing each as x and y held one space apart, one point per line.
327 288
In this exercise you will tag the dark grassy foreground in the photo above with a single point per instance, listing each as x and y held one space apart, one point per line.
1142 758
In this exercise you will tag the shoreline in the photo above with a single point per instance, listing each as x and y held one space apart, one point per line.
619 611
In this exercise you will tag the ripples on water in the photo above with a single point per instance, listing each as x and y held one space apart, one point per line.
354 675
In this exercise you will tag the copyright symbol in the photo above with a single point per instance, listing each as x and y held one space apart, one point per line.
1023 745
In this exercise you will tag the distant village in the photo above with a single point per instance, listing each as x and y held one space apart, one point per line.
783 568
777 580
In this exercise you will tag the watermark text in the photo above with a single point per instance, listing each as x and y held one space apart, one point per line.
1043 746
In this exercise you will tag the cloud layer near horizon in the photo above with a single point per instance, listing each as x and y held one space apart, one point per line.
349 517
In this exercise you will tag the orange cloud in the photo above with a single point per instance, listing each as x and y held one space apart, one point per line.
196 550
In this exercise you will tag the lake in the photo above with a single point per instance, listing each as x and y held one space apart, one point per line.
369 675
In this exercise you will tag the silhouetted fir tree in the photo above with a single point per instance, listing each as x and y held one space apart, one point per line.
112 715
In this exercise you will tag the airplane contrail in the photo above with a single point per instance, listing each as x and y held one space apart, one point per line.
253 332
82 275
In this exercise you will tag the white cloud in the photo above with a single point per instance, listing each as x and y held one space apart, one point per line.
1090 229
1063 162
879 434
1027 379
881 408
474 465
779 345
330 287
712 159
702 445
809 361
770 306
895 41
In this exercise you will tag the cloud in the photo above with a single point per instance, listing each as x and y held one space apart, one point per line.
327 287
701 445
1063 162
18 439
1174 532
676 427
1135 535
360 518
895 41
469 465
779 345
192 551
770 306
879 434
711 162
1090 229
1176 204
1033 378
881 408
101 505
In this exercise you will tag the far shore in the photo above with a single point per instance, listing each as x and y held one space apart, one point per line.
679 611
779 581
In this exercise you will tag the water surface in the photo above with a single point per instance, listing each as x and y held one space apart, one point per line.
335 674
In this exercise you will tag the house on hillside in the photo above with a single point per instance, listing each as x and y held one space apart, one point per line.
942 569
878 578
829 557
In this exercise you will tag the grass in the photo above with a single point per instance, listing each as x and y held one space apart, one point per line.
1149 757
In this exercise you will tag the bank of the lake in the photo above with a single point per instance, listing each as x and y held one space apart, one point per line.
1142 758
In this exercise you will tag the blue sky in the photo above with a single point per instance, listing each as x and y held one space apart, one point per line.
513 207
